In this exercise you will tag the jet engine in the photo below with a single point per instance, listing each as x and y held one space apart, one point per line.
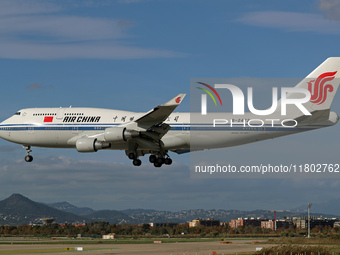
119 134
90 145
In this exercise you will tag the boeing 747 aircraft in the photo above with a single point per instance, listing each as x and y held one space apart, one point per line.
161 130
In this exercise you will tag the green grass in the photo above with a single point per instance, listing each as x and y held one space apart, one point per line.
304 240
49 250
114 241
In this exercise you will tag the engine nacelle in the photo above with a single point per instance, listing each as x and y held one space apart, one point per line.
119 134
89 145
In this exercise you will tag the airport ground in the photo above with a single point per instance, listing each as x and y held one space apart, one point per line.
199 247
172 246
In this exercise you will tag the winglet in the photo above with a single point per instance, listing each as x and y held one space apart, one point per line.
176 100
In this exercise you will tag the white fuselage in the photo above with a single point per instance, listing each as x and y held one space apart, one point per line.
61 127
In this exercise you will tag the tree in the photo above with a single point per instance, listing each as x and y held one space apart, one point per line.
146 228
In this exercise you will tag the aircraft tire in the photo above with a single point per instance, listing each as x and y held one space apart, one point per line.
28 158
136 162
160 160
152 158
131 155
157 164
168 161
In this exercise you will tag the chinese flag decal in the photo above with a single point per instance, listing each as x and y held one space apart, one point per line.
48 119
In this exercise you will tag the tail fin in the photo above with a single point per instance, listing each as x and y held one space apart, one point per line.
322 83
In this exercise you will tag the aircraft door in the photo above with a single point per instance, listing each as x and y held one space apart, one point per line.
60 113
30 130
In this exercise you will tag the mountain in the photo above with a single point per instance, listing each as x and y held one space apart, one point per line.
189 215
327 207
19 210
149 216
138 211
67 207
110 216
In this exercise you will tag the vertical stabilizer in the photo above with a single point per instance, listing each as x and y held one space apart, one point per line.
322 83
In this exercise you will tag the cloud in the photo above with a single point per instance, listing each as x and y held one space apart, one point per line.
330 8
110 185
291 21
22 7
60 28
101 182
40 31
95 50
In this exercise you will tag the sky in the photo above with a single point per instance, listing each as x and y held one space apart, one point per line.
136 54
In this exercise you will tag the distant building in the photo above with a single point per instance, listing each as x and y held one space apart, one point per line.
194 223
206 223
246 222
78 224
302 222
337 224
288 223
279 224
161 224
268 224
109 236
47 220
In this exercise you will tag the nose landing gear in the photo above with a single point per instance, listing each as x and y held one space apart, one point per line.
28 157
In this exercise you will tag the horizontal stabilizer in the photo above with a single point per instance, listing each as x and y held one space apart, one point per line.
317 117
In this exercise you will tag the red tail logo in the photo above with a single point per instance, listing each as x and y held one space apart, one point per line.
319 89
178 100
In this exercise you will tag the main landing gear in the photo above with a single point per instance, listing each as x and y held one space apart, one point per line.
28 157
159 161
135 160
156 160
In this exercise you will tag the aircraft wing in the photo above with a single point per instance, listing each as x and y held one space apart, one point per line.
150 128
153 121
160 113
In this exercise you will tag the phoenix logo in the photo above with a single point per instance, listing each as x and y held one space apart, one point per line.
178 100
209 93
320 89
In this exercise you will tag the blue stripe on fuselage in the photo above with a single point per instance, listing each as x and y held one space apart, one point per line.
174 127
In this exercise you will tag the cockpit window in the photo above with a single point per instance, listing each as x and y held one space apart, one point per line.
17 113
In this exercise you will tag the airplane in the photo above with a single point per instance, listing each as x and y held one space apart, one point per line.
162 130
